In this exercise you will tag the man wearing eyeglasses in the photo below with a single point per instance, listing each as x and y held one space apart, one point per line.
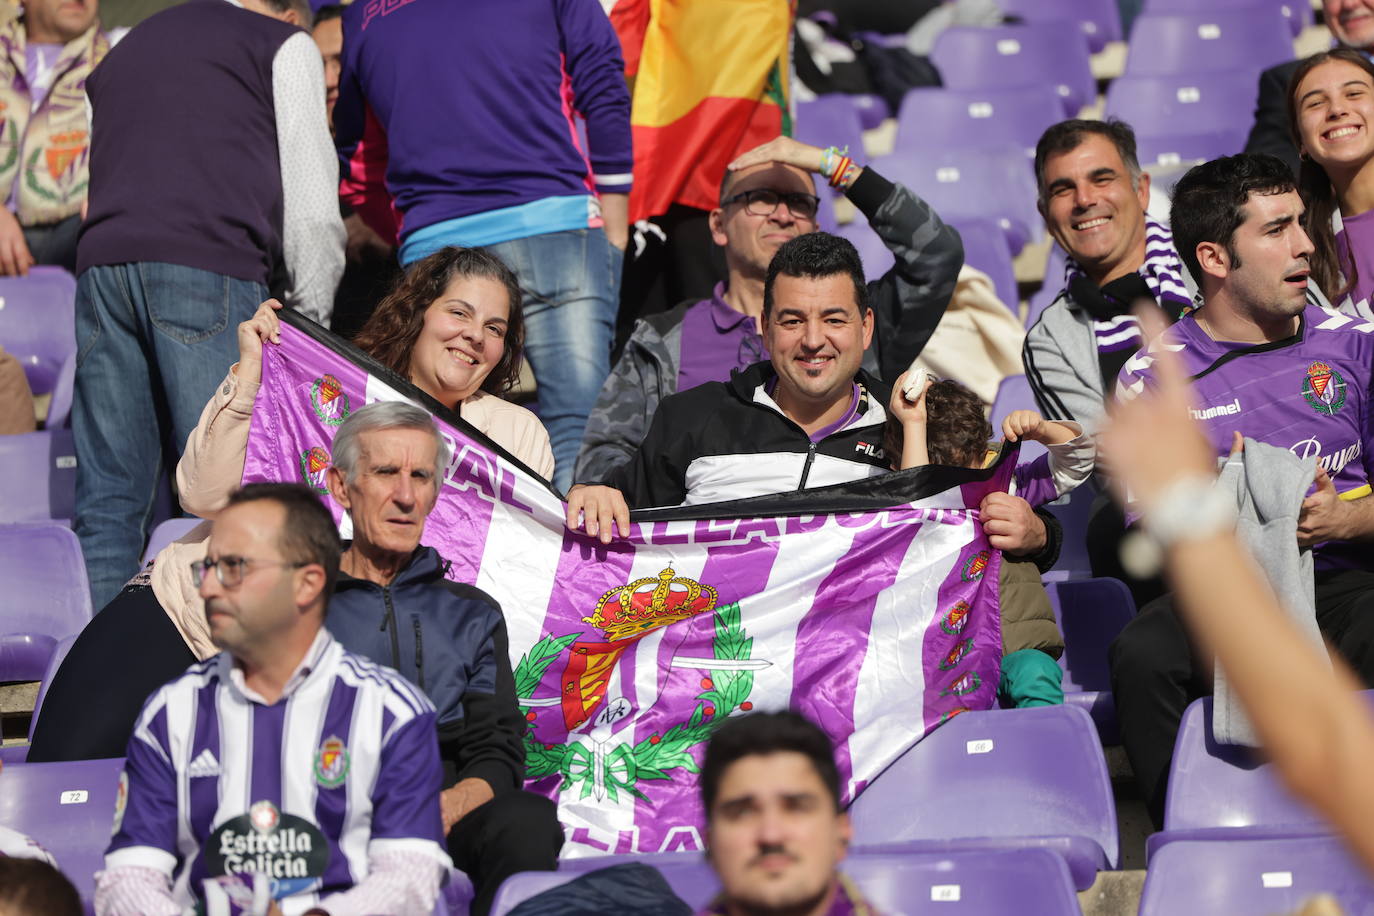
284 770
768 197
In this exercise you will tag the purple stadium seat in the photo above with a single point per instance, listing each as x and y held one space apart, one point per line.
38 476
998 779
1032 882
1099 19
1245 877
68 808
1073 513
18 753
1016 115
985 247
1033 54
991 183
1184 103
830 120
826 220
165 533
46 597
872 110
60 405
1172 149
876 257
1296 13
1050 287
1091 612
38 322
1220 791
1207 41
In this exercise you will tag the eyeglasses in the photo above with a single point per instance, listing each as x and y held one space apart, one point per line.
764 202
230 570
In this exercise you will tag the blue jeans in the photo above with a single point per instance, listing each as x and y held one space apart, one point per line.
153 341
571 282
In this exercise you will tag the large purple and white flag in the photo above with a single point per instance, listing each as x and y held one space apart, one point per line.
870 607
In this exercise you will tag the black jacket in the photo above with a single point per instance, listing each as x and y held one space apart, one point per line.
449 639
1269 134
716 437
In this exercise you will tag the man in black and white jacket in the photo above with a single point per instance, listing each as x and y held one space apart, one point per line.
808 417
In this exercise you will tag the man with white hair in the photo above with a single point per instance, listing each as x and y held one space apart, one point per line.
394 606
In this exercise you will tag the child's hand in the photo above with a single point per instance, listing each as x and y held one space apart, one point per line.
1023 424
907 412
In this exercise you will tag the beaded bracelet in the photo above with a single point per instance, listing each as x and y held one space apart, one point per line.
846 175
830 157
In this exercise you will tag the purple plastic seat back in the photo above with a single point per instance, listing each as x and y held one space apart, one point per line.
68 808
1100 20
872 110
1014 394
46 597
1206 41
38 476
1033 882
1297 14
1184 103
165 533
1154 150
876 257
1000 773
993 183
60 405
985 248
38 323
1245 877
1218 785
19 753
830 120
1091 612
1016 115
1073 514
1032 54
1050 287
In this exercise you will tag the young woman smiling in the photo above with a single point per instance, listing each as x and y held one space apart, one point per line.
452 326
1331 115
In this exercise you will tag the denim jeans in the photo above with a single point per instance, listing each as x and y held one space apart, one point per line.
571 282
153 341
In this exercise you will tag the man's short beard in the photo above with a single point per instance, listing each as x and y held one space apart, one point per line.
800 908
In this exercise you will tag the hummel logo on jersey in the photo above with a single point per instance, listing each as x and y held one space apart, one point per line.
205 764
1219 410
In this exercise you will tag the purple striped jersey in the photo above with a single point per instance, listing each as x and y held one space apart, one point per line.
217 782
1308 394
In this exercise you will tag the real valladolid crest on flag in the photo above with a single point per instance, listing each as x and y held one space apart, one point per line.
870 607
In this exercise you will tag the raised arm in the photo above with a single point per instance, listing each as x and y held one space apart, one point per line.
211 467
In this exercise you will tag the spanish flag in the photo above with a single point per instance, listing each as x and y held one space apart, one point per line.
711 81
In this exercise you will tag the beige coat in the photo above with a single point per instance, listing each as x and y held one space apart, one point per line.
212 467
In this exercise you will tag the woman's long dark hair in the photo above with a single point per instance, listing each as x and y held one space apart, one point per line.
389 335
1335 276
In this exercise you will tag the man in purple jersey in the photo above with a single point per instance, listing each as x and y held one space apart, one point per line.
284 767
1270 366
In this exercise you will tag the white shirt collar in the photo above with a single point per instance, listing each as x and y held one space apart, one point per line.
230 670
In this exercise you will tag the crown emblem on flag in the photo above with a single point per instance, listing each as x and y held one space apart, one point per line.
649 603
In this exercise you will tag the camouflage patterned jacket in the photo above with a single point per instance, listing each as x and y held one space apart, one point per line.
908 302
